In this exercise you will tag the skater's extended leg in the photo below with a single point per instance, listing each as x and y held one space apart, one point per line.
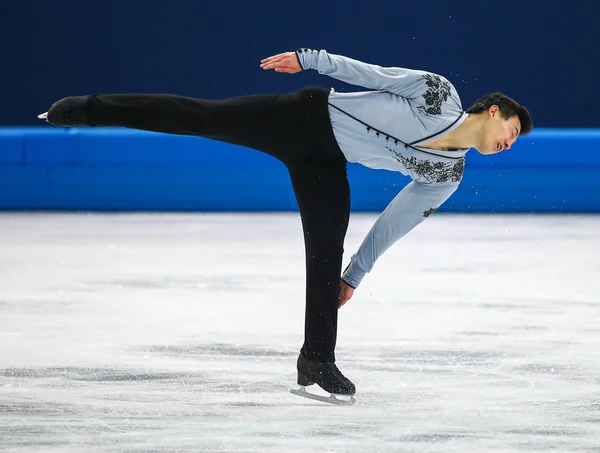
281 125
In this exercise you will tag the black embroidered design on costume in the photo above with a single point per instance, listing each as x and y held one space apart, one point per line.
429 212
458 169
437 93
439 172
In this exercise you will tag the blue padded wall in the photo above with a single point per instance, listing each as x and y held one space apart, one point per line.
46 168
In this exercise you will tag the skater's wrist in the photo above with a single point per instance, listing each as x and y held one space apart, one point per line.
351 285
353 275
308 58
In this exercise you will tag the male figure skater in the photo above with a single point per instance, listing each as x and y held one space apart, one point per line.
411 121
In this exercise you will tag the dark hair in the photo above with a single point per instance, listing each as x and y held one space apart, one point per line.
508 108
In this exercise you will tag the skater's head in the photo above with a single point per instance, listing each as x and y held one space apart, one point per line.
502 121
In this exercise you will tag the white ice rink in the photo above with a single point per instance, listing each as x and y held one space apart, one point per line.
169 333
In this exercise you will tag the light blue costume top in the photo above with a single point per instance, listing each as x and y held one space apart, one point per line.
382 129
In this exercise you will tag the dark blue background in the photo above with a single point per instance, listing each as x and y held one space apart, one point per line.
542 53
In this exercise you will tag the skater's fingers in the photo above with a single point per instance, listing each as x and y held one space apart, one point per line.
291 64
342 299
283 67
273 59
269 59
288 70
264 60
288 59
346 293
283 62
273 64
343 302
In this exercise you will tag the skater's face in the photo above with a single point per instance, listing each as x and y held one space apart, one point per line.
499 133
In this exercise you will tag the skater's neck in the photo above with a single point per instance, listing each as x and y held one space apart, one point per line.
468 135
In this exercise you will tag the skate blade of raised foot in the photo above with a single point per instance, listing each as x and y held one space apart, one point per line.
43 116
332 399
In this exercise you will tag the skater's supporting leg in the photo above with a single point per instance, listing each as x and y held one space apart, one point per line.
323 196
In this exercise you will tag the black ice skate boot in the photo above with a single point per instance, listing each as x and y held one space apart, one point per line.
327 376
69 111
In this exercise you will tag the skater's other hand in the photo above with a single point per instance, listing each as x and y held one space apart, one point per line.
283 62
346 293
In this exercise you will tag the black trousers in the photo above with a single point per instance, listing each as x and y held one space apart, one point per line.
294 128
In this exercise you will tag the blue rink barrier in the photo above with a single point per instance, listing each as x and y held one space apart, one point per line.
47 168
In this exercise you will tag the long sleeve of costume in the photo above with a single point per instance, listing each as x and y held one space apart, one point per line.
408 209
366 125
404 82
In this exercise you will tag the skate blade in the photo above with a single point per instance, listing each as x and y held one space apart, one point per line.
43 116
332 399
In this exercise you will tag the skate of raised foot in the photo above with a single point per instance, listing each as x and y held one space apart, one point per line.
327 376
68 111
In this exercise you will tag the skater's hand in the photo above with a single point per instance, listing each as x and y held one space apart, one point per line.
346 293
283 62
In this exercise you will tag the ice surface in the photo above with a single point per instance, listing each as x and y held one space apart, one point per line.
166 332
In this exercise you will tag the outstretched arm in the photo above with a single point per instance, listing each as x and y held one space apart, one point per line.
408 209
408 83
